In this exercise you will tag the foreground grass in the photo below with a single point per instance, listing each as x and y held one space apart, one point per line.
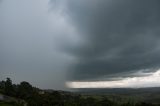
5 104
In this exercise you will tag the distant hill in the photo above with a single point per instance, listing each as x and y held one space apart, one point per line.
148 95
122 91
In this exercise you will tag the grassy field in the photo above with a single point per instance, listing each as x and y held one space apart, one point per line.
5 104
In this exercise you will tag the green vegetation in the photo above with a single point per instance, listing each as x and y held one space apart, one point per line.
9 104
25 94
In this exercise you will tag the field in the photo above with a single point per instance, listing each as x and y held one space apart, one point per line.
5 104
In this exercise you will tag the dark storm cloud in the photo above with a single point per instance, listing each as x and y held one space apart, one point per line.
121 36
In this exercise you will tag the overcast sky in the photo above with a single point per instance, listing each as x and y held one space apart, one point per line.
50 42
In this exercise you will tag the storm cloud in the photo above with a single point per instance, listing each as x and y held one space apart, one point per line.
119 37
50 42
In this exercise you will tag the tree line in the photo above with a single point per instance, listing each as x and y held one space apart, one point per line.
37 97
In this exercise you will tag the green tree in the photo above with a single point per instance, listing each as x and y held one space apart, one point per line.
2 86
25 90
8 87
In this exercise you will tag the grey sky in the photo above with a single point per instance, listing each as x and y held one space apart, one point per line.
120 37
30 36
47 42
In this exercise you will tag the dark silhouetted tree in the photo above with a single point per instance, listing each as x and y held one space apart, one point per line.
25 90
8 87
